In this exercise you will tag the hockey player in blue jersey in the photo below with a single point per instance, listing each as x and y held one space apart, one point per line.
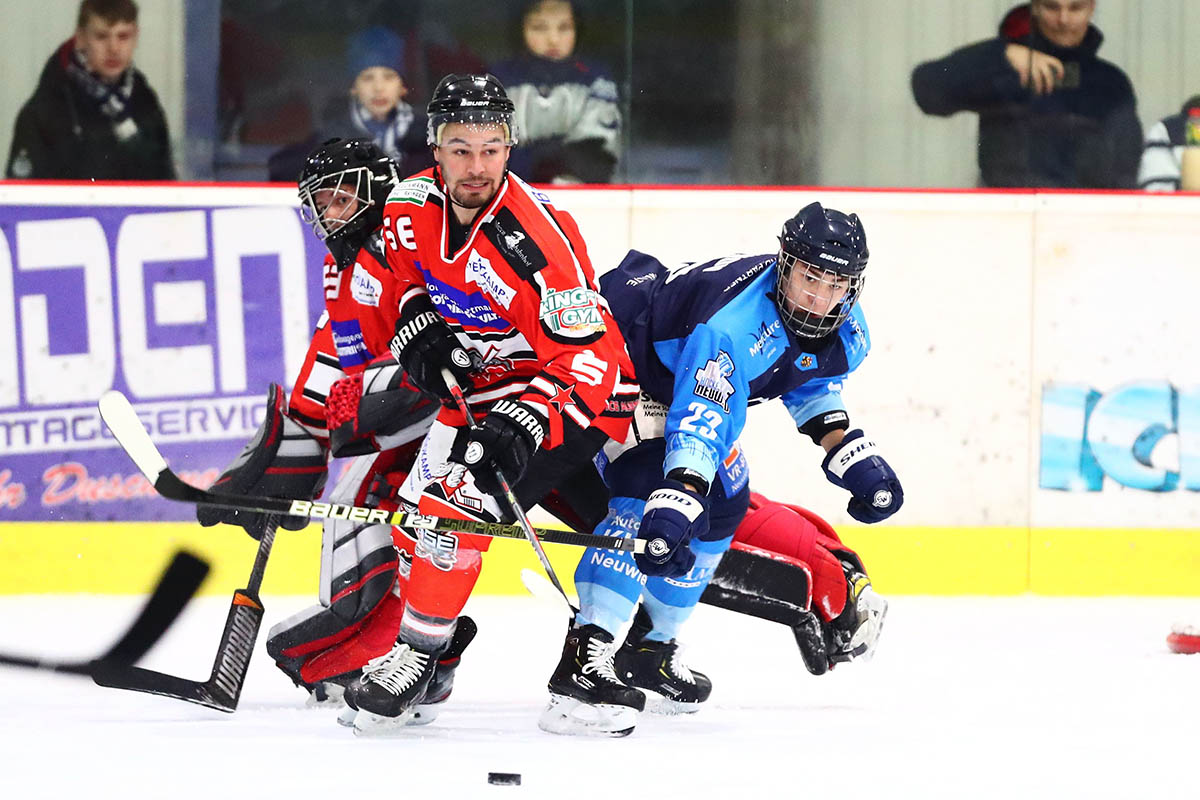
708 339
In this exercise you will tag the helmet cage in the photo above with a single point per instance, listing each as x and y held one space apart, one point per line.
336 185
801 321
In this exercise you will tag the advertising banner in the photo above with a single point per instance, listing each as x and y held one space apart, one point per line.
189 310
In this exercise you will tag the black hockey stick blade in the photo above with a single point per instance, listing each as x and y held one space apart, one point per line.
223 688
174 590
127 429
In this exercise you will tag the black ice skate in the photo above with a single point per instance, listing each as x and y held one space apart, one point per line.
390 688
442 682
656 667
586 697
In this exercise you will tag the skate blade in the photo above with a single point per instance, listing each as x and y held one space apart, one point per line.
423 715
567 716
333 697
664 707
346 717
367 723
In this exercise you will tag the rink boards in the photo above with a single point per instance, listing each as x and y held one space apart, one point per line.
1031 376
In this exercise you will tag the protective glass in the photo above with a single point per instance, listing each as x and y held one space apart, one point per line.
813 301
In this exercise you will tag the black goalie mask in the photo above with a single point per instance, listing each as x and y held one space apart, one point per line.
343 188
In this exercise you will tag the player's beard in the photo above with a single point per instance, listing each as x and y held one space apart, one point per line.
473 198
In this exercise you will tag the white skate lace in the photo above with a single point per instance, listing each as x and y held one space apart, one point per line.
397 669
678 668
600 659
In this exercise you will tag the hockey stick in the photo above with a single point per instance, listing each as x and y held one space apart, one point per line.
127 429
175 588
460 400
224 685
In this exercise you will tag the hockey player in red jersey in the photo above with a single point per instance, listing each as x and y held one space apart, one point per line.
494 288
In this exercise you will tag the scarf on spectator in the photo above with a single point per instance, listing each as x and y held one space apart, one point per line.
388 132
112 99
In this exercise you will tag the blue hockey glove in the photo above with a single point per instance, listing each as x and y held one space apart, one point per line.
855 466
673 515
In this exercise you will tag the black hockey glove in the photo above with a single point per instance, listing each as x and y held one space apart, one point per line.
673 515
506 439
374 411
854 465
282 460
424 345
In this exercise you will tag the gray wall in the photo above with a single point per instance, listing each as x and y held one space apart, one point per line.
33 29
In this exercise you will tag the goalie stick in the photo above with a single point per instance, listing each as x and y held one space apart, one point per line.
224 685
173 592
127 429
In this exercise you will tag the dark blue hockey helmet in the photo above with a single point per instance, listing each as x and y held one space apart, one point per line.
471 99
830 248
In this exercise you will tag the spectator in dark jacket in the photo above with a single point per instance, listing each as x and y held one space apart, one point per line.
1162 160
567 119
93 115
375 109
1051 114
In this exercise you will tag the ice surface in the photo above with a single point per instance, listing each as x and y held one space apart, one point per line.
968 697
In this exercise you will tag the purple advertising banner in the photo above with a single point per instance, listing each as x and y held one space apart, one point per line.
191 311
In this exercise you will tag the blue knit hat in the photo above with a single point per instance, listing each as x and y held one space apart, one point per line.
375 47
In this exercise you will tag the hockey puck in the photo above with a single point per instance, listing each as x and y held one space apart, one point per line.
504 778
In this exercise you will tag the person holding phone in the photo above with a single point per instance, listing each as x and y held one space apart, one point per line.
1051 113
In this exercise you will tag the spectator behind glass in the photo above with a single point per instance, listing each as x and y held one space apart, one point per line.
1051 114
1162 160
567 118
375 109
93 116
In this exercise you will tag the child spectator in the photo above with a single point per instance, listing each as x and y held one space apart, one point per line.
567 118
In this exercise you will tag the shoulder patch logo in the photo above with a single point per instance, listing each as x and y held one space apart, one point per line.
413 190
712 380
479 271
806 361
574 313
365 287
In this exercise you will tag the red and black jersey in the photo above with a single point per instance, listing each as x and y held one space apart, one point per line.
361 308
520 294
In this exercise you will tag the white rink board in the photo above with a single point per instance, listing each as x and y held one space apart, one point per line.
975 302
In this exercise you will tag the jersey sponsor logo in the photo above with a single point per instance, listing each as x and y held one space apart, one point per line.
573 313
413 190
520 251
456 304
348 340
712 382
748 274
365 287
634 281
806 361
766 332
479 272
